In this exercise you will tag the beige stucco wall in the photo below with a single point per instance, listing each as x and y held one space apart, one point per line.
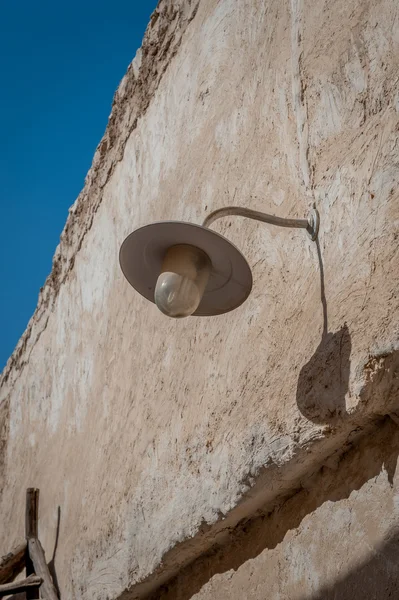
335 540
157 437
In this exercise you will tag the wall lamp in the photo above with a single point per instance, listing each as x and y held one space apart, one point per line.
188 269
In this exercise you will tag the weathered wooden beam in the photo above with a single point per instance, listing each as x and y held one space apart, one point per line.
31 531
36 554
12 563
32 513
20 586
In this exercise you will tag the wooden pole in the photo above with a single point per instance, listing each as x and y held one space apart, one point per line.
36 554
12 563
31 531
35 559
32 513
24 585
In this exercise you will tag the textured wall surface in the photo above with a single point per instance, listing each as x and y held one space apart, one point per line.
346 546
157 438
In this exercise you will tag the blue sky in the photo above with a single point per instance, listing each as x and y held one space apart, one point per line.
60 64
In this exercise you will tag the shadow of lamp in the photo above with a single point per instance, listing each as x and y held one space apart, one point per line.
188 269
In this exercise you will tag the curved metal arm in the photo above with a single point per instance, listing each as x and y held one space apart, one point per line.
311 225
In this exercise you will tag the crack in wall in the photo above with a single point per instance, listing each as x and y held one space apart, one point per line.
298 94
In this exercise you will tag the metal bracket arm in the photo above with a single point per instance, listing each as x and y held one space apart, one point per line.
311 224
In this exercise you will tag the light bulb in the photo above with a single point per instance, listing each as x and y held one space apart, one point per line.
176 296
181 284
